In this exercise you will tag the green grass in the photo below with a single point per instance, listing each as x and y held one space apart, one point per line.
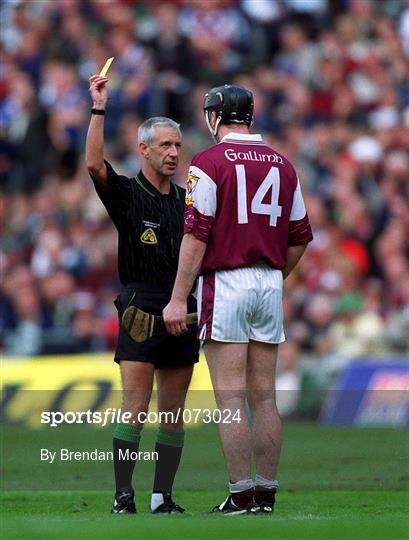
335 483
302 515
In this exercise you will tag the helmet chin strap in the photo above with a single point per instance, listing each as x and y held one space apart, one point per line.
213 131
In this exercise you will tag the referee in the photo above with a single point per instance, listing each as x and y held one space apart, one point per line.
148 213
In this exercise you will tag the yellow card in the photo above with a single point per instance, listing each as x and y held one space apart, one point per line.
107 65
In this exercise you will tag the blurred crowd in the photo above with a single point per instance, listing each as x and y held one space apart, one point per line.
331 86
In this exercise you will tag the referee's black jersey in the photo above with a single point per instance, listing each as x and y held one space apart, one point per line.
150 228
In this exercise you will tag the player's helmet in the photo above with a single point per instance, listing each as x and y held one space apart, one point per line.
232 105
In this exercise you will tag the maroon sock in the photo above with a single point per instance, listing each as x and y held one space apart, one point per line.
243 498
262 495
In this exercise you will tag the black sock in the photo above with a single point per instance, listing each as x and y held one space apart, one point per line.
169 446
124 465
126 441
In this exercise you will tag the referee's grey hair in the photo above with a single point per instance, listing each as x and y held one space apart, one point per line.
146 131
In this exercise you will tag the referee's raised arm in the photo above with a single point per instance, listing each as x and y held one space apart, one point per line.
94 148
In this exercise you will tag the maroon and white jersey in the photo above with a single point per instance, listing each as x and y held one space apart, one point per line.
244 200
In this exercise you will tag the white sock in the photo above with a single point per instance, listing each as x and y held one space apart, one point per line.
156 500
265 482
241 485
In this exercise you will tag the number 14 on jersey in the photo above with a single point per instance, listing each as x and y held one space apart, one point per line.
273 209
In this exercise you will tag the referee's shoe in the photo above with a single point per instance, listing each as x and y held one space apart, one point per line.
164 504
124 503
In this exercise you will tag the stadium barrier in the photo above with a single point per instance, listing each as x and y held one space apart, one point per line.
73 383
370 392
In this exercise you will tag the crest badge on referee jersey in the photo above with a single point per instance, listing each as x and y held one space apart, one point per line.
149 237
191 184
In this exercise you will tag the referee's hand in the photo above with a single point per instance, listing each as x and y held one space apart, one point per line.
98 91
174 316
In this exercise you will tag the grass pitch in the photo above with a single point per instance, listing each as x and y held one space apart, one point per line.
335 484
314 515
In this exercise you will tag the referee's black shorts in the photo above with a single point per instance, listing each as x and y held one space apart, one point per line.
162 349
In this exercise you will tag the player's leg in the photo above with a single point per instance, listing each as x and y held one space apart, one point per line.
227 365
172 384
266 423
137 382
225 300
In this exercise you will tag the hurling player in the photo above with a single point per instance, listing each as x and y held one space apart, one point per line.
246 227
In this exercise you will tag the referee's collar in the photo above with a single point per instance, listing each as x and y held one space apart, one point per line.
152 190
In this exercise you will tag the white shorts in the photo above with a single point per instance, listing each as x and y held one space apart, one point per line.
242 304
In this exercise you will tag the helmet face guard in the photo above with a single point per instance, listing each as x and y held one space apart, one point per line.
232 105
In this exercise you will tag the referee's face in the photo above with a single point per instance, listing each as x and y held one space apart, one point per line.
163 152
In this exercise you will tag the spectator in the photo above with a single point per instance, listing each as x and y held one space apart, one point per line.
356 332
24 337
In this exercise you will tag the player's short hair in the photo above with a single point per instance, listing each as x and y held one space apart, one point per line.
146 131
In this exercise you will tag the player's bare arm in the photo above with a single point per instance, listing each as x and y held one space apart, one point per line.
294 254
190 260
94 148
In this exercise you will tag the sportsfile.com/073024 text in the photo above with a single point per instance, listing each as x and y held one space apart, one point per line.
112 415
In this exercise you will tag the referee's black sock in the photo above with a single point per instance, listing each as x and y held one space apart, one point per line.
126 441
169 446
